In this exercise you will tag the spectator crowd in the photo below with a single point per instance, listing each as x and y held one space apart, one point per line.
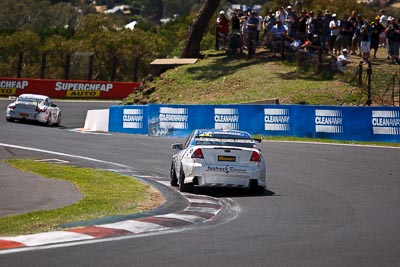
334 33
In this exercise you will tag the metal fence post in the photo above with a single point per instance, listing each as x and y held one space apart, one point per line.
369 74
320 51
19 67
67 66
393 86
136 70
360 71
90 72
113 68
43 66
399 92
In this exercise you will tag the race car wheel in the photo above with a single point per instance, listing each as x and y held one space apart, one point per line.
58 120
48 122
10 119
172 175
182 186
255 188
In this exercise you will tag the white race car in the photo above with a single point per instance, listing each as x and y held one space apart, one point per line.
33 107
211 157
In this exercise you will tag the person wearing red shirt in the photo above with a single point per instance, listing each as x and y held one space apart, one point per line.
223 30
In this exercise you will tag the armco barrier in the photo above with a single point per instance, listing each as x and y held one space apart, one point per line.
329 122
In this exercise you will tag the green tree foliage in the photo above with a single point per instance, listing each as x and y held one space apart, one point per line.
26 43
96 34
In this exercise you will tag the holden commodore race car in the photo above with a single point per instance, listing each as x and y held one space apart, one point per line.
214 158
33 107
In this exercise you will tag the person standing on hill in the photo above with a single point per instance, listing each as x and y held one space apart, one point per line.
326 33
235 22
317 25
334 25
252 27
309 26
243 23
302 28
393 35
376 30
281 15
365 43
358 22
345 34
223 30
383 19
269 22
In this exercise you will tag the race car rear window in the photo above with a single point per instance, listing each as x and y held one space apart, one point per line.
224 142
222 134
30 100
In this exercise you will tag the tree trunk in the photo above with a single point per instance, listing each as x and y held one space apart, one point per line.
196 30
155 11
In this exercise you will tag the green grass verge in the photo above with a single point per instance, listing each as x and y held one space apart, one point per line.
105 194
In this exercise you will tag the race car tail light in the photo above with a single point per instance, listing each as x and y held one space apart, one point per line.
197 154
255 157
12 107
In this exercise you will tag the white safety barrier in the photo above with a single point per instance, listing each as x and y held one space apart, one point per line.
97 120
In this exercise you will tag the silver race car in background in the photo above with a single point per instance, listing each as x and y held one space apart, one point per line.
215 158
33 107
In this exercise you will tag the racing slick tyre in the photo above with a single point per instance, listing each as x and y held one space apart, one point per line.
182 186
254 188
48 121
172 175
58 123
9 119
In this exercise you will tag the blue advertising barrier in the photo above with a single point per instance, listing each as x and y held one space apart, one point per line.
329 122
128 119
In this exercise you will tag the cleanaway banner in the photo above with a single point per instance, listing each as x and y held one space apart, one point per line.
328 122
128 119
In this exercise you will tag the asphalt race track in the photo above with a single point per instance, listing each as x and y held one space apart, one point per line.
327 205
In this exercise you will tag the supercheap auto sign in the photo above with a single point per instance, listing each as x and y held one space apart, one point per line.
67 88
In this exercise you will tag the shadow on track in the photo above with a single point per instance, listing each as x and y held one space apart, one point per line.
220 192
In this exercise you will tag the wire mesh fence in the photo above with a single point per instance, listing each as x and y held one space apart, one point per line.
377 83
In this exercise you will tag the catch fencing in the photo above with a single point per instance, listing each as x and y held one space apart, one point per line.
377 81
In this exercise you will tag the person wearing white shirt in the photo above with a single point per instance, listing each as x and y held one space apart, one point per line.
384 21
334 25
342 60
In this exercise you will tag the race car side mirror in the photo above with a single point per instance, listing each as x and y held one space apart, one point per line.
177 146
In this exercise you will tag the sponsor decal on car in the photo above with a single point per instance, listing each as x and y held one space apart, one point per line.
226 158
226 169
